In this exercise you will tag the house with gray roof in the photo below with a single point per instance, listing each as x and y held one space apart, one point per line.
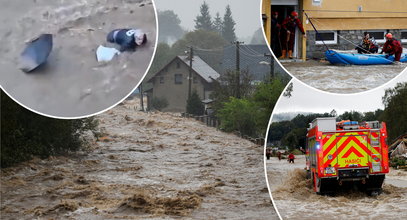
172 82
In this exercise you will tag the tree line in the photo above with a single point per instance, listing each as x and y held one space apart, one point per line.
25 134
292 133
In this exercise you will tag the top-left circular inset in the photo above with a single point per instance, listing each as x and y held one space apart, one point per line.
71 59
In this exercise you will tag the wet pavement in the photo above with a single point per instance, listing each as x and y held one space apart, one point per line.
343 79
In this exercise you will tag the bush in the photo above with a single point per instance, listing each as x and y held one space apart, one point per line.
238 115
25 134
159 103
397 161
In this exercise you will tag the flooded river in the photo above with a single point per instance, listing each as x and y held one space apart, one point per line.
295 199
343 79
146 165
73 83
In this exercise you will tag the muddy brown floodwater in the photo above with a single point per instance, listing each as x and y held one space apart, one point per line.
148 165
295 199
73 83
343 79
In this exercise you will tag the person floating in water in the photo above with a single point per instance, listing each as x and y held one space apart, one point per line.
392 47
368 45
128 39
288 34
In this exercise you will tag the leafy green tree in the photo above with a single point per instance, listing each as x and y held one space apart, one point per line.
395 111
194 104
204 20
226 86
238 115
199 39
295 138
265 98
170 26
228 31
25 134
278 130
351 115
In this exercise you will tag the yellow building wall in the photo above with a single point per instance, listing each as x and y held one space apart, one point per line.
345 15
266 10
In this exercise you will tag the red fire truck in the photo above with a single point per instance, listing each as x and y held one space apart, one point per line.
346 153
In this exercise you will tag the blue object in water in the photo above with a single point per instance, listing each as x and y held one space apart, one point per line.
360 59
36 53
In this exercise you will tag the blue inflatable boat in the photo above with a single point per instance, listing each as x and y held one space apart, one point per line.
335 57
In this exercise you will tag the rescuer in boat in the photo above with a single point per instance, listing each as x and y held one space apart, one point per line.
288 34
368 45
128 39
275 34
392 47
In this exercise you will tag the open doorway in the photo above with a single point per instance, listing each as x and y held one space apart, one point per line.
283 12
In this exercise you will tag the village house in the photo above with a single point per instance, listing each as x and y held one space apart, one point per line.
341 23
172 82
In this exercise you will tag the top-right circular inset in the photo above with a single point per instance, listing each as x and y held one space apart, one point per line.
343 46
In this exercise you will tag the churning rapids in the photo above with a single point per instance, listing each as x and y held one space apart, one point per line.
147 165
343 79
295 199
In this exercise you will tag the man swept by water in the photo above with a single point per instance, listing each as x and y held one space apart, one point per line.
128 39
392 47
368 45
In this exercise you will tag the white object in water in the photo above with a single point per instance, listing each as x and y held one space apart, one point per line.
105 54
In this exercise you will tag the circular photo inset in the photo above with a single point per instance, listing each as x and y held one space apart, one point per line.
342 153
71 59
338 46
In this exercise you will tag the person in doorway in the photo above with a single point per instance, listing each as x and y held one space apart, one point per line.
291 158
128 39
392 47
368 45
275 34
288 34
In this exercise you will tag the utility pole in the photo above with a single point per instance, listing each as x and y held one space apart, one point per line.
237 43
191 55
271 66
141 96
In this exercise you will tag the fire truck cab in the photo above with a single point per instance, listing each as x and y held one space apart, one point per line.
346 153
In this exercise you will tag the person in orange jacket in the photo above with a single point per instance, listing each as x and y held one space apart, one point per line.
288 34
392 47
291 158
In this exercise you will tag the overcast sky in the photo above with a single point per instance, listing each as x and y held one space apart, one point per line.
245 13
307 99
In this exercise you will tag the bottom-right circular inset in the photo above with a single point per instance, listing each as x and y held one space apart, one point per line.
339 156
